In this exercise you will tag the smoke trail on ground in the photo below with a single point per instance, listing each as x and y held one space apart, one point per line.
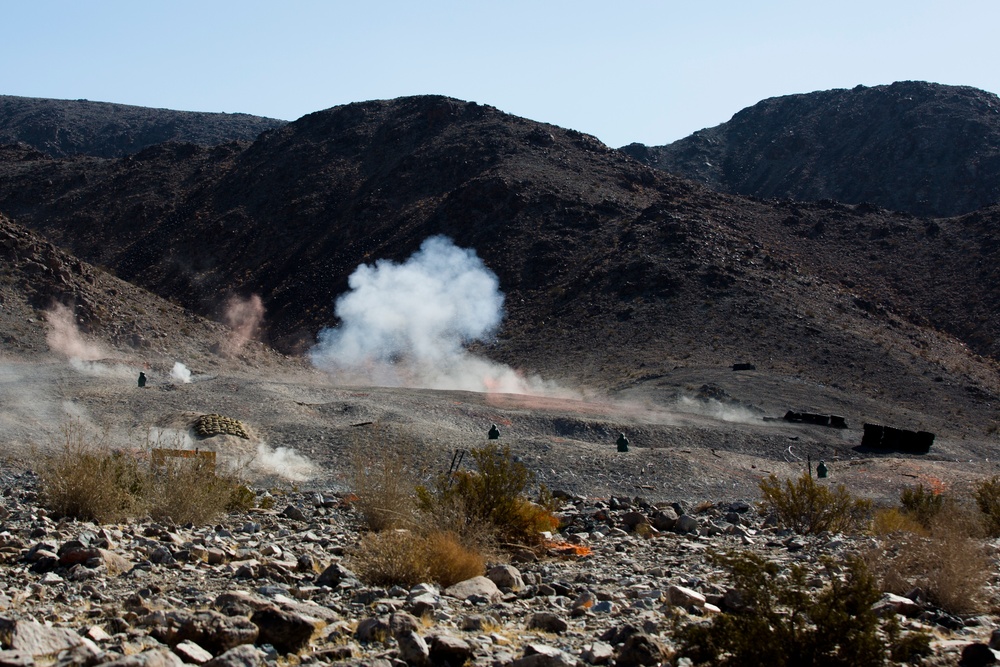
407 325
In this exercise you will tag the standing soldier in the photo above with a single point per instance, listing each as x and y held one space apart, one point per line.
142 379
622 443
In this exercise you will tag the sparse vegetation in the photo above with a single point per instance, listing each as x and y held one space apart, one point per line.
460 517
922 504
781 622
85 479
947 564
493 494
932 544
382 481
809 507
404 557
987 495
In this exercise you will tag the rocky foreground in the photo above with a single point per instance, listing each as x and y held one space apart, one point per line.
275 587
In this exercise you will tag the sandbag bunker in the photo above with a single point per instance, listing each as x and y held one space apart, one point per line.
887 437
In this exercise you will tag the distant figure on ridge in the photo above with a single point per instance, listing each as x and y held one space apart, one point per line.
142 379
494 433
622 443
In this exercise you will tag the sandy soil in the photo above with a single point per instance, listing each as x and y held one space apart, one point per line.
308 432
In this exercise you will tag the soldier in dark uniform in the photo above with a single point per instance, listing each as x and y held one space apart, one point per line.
142 379
494 433
622 443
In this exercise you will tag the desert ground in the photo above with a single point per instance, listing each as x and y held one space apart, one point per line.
696 434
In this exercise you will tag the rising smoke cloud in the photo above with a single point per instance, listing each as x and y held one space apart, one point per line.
244 318
65 338
407 324
180 372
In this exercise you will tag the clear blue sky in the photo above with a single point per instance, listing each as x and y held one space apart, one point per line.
644 71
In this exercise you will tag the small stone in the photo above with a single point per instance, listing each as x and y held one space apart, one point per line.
294 513
450 650
192 653
288 632
977 654
679 596
245 655
412 648
539 655
477 586
598 653
506 577
641 650
547 621
686 524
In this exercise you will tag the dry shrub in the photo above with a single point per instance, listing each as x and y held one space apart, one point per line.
190 491
83 479
382 480
86 480
808 507
890 520
948 562
406 558
493 494
923 504
450 561
393 557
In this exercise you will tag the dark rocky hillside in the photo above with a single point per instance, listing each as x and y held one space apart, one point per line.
589 246
59 128
923 148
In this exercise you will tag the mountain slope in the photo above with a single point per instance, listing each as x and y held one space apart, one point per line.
923 148
615 274
59 128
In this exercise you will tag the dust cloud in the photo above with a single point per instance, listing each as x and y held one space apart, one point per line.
64 337
244 318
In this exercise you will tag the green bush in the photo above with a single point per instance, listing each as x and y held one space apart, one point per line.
922 504
493 494
808 507
987 495
781 623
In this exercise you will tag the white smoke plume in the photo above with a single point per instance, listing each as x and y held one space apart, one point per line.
407 324
282 462
244 318
64 337
180 372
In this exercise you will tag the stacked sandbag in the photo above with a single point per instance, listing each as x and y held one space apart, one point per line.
208 425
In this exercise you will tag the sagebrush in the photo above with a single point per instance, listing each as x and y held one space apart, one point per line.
808 507
781 622
494 493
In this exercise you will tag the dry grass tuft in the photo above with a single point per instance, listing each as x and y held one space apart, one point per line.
85 479
382 480
450 561
891 521
390 558
406 558
947 561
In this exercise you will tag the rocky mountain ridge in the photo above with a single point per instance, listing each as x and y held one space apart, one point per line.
926 149
62 128
587 244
